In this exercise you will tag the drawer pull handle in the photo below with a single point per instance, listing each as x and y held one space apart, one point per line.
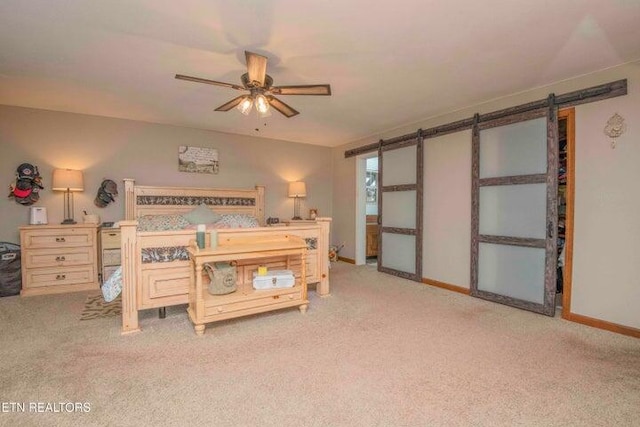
219 309
61 276
60 239
276 297
112 234
60 258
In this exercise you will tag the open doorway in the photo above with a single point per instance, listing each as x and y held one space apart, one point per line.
566 192
371 211
367 209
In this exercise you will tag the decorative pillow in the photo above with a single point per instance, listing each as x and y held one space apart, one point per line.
161 222
201 215
237 221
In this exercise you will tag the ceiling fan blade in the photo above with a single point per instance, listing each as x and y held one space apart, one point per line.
209 82
256 67
302 90
282 107
229 105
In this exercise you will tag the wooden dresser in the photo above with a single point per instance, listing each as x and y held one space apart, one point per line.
58 258
372 235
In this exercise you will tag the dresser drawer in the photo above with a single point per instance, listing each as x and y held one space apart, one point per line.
56 238
111 257
43 258
110 239
215 306
163 287
44 277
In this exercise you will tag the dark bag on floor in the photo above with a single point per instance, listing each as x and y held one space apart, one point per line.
10 271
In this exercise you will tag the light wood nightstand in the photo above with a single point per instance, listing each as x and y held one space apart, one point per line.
58 258
109 252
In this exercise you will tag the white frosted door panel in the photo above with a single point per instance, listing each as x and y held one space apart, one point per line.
399 252
515 149
399 166
514 210
398 173
399 209
512 271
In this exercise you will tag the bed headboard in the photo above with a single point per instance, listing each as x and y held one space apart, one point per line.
150 200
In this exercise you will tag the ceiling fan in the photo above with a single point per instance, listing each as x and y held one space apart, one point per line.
261 89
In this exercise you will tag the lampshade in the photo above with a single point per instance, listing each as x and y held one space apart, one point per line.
67 179
297 189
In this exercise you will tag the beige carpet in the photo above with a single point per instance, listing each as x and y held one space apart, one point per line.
96 307
380 351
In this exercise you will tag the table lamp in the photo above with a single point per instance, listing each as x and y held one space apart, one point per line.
69 181
297 190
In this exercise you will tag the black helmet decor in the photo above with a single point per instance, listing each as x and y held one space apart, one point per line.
27 186
107 190
27 171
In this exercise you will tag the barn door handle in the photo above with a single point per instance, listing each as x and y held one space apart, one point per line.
549 230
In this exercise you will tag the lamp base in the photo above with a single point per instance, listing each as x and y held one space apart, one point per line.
68 209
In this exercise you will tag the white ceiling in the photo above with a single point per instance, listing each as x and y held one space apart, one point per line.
389 63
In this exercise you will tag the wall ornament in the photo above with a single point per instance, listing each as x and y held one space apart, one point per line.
614 128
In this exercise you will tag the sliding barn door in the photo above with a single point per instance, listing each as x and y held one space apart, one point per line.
400 209
514 210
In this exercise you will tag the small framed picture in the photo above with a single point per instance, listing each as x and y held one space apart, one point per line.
313 213
198 159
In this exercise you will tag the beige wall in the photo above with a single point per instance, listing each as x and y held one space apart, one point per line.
606 256
606 269
117 149
447 209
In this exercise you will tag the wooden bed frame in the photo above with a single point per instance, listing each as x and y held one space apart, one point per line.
147 285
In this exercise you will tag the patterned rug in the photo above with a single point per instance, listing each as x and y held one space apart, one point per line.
96 307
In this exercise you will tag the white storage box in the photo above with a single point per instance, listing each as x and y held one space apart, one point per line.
274 279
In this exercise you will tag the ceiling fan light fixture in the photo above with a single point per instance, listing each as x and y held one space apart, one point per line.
245 105
261 90
262 106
